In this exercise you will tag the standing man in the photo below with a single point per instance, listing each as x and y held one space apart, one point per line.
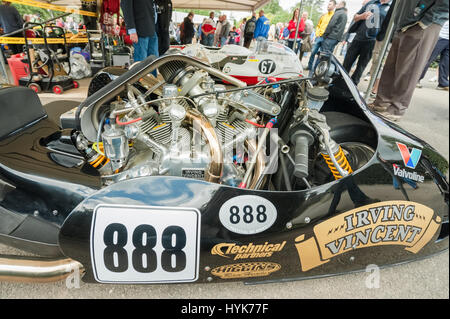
307 41
188 29
334 32
368 22
208 29
309 25
262 27
140 21
320 30
224 31
242 28
217 32
199 33
163 24
249 30
10 21
419 23
441 49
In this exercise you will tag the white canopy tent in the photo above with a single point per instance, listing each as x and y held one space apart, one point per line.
226 5
178 17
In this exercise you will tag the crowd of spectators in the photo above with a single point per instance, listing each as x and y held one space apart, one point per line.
421 35
418 39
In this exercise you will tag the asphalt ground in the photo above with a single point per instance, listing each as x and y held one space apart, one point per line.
427 117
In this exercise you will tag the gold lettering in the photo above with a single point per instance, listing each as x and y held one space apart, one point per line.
229 248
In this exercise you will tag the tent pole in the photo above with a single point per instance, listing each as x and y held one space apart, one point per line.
294 47
3 69
387 39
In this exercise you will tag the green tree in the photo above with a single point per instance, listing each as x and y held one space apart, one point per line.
275 13
43 13
23 9
199 12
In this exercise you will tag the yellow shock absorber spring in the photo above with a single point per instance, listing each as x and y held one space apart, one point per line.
342 161
99 161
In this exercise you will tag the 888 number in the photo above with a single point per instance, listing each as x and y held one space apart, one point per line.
248 215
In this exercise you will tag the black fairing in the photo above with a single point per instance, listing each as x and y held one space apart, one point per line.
35 180
42 175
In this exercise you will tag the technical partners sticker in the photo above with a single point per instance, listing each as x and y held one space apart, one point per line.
247 214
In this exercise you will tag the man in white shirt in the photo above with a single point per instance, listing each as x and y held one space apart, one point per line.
208 29
218 31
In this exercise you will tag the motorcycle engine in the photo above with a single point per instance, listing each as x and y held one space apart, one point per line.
185 125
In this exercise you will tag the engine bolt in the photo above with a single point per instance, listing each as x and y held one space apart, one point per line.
36 213
289 225
207 268
275 110
352 259
307 220
285 149
209 279
55 212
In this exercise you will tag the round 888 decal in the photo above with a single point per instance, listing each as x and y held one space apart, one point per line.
247 214
142 244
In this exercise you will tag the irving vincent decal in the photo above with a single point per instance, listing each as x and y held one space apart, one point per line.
228 250
402 223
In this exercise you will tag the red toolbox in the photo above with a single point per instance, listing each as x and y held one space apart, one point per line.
17 67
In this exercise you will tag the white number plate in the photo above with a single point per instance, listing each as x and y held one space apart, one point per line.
136 244
247 214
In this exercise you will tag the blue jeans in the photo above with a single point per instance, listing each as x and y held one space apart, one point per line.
208 40
327 46
442 49
223 41
259 42
315 49
145 47
291 45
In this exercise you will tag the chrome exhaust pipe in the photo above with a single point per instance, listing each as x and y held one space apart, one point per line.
37 269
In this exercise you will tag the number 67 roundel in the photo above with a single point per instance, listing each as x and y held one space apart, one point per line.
136 244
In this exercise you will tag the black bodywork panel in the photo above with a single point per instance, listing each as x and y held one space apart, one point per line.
43 181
